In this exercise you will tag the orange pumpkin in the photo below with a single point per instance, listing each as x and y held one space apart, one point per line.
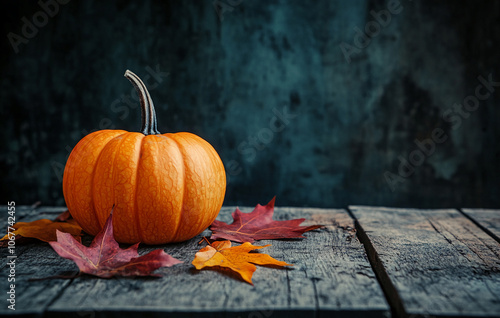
164 187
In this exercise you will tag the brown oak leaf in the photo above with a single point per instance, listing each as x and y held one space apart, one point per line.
237 258
43 229
258 225
104 258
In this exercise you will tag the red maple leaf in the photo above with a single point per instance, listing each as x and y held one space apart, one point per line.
258 225
104 258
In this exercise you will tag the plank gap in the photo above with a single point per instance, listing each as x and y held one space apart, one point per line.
388 288
56 297
482 227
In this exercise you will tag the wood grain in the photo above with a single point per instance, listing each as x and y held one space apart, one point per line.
33 260
432 262
487 219
331 275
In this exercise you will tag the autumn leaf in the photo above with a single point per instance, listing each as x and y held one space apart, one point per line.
258 225
63 217
19 241
44 230
104 258
237 258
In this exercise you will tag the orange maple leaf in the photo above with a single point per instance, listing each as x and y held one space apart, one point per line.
44 230
237 258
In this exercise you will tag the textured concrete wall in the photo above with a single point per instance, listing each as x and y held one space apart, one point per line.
317 103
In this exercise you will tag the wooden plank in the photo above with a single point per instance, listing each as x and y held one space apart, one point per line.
33 260
26 214
432 262
331 275
20 212
487 219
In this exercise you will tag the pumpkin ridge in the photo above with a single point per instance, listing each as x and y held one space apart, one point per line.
94 210
136 184
207 152
73 174
113 174
72 178
174 238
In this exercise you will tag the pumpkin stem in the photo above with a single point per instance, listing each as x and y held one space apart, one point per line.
148 114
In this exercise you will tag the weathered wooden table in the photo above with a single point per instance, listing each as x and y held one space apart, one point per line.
366 262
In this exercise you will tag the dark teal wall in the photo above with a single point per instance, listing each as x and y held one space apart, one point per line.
296 101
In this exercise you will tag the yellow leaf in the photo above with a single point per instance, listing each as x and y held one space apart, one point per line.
237 258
